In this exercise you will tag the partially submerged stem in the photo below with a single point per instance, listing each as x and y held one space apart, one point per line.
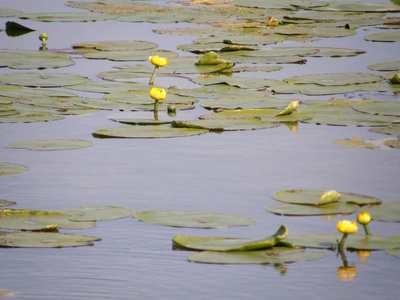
342 241
156 110
153 76
366 228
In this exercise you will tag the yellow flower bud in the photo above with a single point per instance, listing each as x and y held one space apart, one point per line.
347 226
158 61
329 197
364 218
43 37
158 94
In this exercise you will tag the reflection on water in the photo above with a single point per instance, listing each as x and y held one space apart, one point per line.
233 172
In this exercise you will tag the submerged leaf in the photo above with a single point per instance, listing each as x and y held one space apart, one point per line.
355 142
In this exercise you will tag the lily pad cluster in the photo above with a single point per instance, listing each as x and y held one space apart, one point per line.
40 229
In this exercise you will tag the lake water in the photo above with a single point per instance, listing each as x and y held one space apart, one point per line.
233 172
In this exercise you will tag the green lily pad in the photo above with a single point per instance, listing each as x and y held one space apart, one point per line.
192 219
6 203
393 252
242 82
146 132
246 103
42 80
66 17
391 129
131 55
44 240
17 92
11 169
288 209
217 91
359 7
97 213
50 145
230 244
389 37
225 124
25 219
115 45
355 142
276 4
334 79
386 108
8 12
354 241
389 212
312 89
388 66
393 143
275 255
30 117
312 197
106 86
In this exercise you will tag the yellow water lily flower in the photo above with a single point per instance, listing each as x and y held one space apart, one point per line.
158 61
158 94
347 227
364 218
273 22
43 37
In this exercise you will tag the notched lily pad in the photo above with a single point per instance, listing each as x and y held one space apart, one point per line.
287 209
193 219
226 125
230 244
11 169
115 45
49 145
42 80
12 239
95 213
275 255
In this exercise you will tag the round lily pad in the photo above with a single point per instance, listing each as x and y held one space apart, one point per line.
334 79
226 124
11 169
146 132
389 212
312 197
17 239
388 66
393 252
30 117
192 219
354 241
25 219
393 36
230 244
115 45
97 213
42 80
66 17
391 129
287 209
246 102
275 255
386 108
17 92
49 145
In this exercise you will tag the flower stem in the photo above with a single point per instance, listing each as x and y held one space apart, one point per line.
366 228
342 241
153 76
156 110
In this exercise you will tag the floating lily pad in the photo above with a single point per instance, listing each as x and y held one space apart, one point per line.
116 45
131 55
217 91
97 213
388 66
287 209
25 219
17 92
6 203
8 12
230 244
246 103
24 59
393 143
225 125
142 97
50 145
193 219
242 82
312 197
146 132
393 36
15 29
106 86
275 255
66 17
354 241
386 108
44 240
30 117
11 169
393 252
42 80
334 79
391 129
359 7
389 212
355 142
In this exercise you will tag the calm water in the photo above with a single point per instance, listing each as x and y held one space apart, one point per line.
233 172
